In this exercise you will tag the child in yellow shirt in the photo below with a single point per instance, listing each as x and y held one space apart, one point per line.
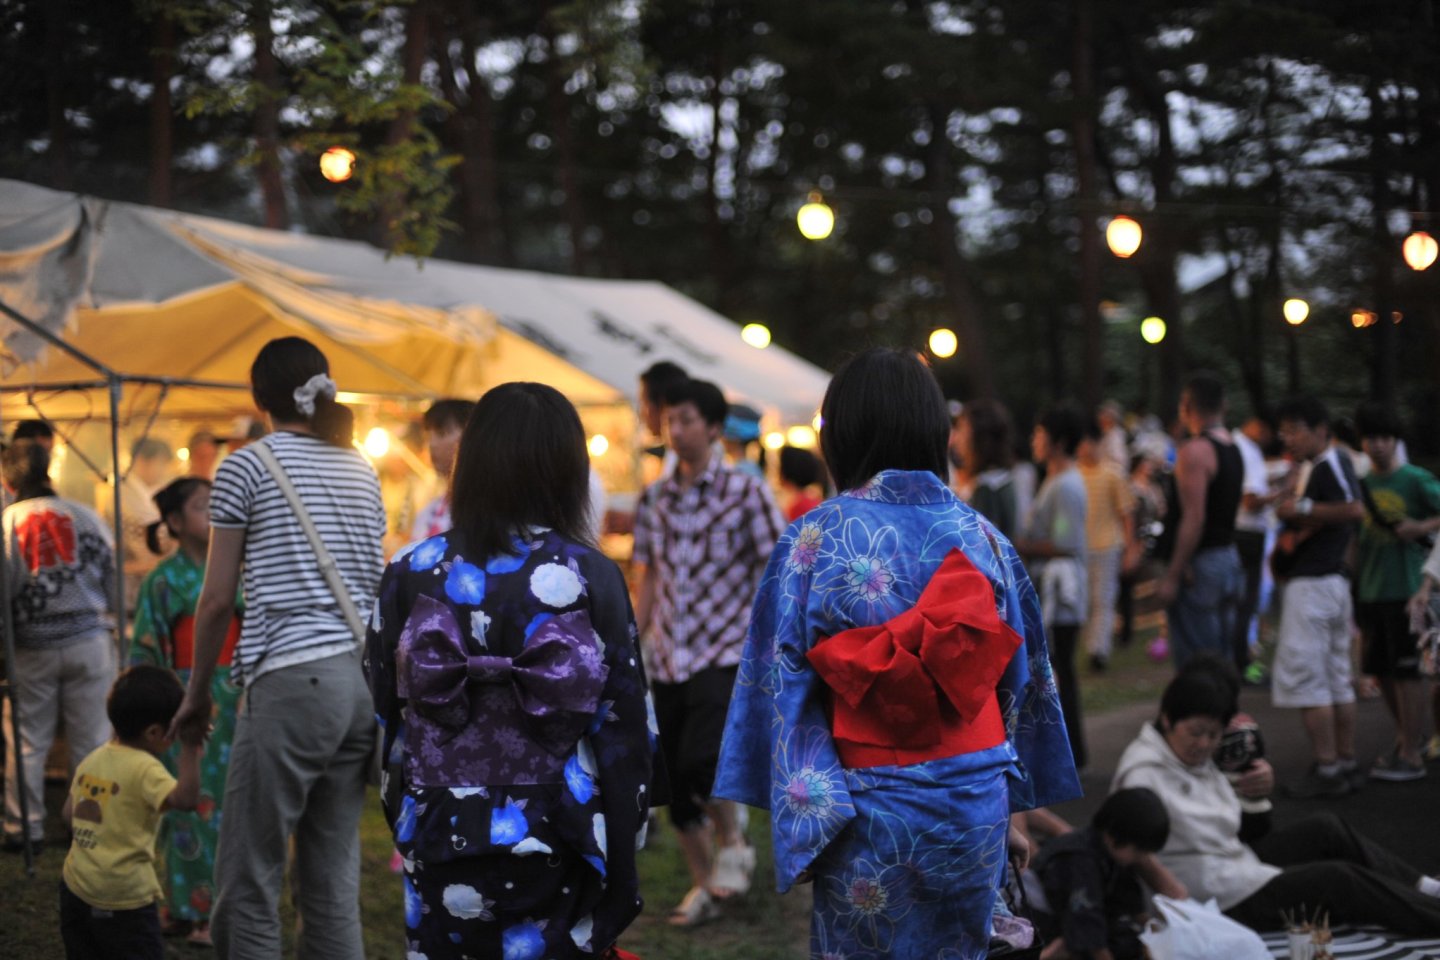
109 888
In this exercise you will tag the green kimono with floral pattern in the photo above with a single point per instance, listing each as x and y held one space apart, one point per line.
164 635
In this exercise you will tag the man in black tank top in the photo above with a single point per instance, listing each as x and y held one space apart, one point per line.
1204 581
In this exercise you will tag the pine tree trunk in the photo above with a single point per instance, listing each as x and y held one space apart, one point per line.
58 151
267 118
1092 381
162 111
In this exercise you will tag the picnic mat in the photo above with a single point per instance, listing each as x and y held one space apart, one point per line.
1365 943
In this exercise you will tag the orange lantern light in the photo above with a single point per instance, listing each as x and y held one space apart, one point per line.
337 164
1123 236
1420 250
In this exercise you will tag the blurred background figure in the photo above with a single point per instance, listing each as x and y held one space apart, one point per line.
1113 442
800 482
204 450
444 422
984 438
150 464
1110 540
742 431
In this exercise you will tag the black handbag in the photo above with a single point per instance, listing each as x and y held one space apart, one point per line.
1012 890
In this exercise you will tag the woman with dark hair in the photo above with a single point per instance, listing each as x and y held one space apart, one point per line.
1052 541
304 740
165 636
1217 849
984 438
515 717
894 704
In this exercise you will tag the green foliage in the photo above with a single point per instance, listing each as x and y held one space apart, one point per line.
675 139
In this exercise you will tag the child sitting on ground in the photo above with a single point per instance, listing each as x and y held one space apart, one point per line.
109 887
1092 876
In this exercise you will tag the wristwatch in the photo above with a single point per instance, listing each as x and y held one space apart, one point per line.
1304 506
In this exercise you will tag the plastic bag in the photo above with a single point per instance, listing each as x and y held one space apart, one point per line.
1199 931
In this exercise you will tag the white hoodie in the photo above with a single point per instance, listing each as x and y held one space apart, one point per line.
1204 850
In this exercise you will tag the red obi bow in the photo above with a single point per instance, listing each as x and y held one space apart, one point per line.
556 679
921 685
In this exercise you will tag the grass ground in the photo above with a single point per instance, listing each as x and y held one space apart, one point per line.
762 926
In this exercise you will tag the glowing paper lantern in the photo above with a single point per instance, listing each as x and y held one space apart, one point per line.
944 343
337 164
1295 311
756 334
1123 236
1152 329
816 220
598 445
1420 250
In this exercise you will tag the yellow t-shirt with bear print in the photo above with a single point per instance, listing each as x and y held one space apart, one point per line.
116 802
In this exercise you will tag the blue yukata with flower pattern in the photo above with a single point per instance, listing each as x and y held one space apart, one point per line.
519 741
906 860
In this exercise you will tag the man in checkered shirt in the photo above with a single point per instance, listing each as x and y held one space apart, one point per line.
702 536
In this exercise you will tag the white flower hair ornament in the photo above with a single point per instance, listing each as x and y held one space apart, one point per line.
305 394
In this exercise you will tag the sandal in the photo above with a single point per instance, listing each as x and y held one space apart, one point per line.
734 866
200 936
698 907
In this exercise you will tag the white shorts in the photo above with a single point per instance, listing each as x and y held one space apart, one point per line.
1312 657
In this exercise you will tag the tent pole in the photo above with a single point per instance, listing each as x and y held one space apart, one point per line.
56 341
119 552
7 617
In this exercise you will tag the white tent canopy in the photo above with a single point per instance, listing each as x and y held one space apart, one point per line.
154 293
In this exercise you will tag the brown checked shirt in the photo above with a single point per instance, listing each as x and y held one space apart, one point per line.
708 544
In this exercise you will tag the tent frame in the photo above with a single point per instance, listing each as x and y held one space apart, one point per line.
114 383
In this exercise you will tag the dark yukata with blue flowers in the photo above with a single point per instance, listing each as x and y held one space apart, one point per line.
906 857
519 743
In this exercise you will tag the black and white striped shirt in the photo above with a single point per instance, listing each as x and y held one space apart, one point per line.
291 617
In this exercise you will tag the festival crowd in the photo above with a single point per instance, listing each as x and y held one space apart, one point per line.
882 647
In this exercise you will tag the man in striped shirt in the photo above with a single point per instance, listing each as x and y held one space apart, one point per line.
702 536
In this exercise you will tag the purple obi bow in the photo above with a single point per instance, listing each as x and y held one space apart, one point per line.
556 679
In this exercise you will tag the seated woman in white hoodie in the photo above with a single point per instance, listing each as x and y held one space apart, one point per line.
1254 873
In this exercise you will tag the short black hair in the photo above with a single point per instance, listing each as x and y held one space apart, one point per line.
799 466
25 465
1307 410
522 462
1134 817
1204 687
449 413
1206 390
33 430
992 435
1376 419
883 410
1064 424
659 378
707 398
140 696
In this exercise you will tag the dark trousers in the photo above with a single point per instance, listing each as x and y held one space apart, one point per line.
93 934
1330 866
1251 546
1063 640
691 717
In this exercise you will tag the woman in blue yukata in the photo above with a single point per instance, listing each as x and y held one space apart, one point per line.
895 702
517 724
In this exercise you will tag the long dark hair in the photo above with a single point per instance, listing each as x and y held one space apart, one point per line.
522 461
883 410
26 468
280 367
169 501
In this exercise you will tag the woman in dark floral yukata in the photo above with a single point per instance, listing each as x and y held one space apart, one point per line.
518 730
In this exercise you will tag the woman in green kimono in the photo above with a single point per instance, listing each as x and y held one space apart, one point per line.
165 635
